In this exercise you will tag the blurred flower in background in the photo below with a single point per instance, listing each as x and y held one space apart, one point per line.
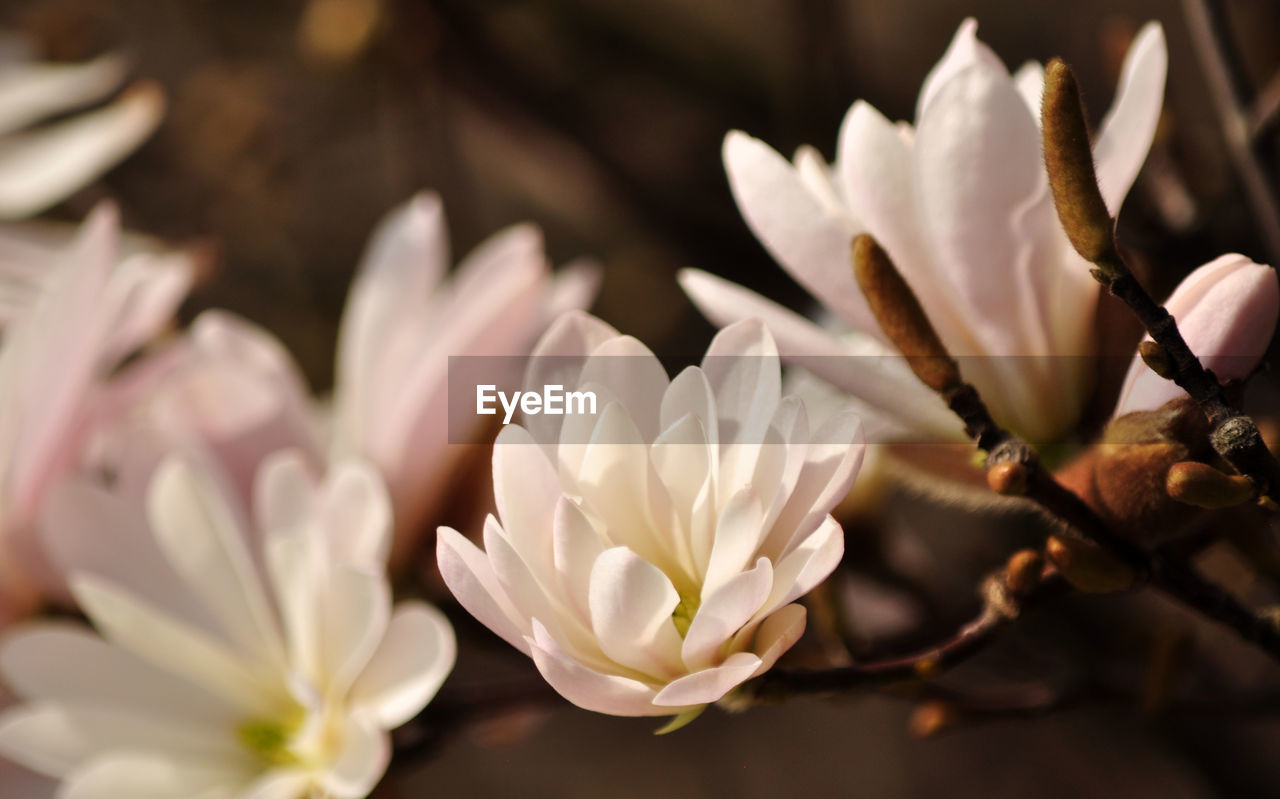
647 556
71 320
236 658
961 203
42 164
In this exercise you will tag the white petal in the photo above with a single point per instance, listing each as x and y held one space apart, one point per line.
52 662
169 645
577 544
205 542
964 52
140 776
1125 135
357 610
631 372
357 515
525 490
361 761
39 168
414 657
709 685
738 535
810 563
723 613
587 688
32 92
631 603
777 634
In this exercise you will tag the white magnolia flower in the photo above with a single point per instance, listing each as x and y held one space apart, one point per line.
69 322
961 203
404 319
40 166
648 556
235 660
1227 312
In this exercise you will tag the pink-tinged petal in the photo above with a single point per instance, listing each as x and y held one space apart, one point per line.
407 256
467 573
412 660
690 394
31 92
978 147
684 461
723 613
831 465
777 634
708 685
878 174
1227 312
41 167
587 688
742 368
1126 132
631 602
144 292
807 240
965 51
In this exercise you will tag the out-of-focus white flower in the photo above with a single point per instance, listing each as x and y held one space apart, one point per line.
226 389
648 556
41 165
962 205
63 339
239 660
1227 312
402 322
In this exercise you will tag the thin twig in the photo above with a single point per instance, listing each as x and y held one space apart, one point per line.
1208 26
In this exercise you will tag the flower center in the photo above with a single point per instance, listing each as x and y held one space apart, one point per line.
269 739
683 615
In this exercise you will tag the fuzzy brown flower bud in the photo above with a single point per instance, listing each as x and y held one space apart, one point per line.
1068 158
1022 572
899 314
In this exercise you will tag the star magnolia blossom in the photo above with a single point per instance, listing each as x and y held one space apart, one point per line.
40 166
402 322
961 203
648 556
88 311
1227 312
257 661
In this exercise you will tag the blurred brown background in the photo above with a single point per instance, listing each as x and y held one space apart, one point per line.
294 125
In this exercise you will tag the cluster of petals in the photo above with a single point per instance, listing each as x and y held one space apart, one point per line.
41 165
234 657
233 389
71 316
961 203
648 556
